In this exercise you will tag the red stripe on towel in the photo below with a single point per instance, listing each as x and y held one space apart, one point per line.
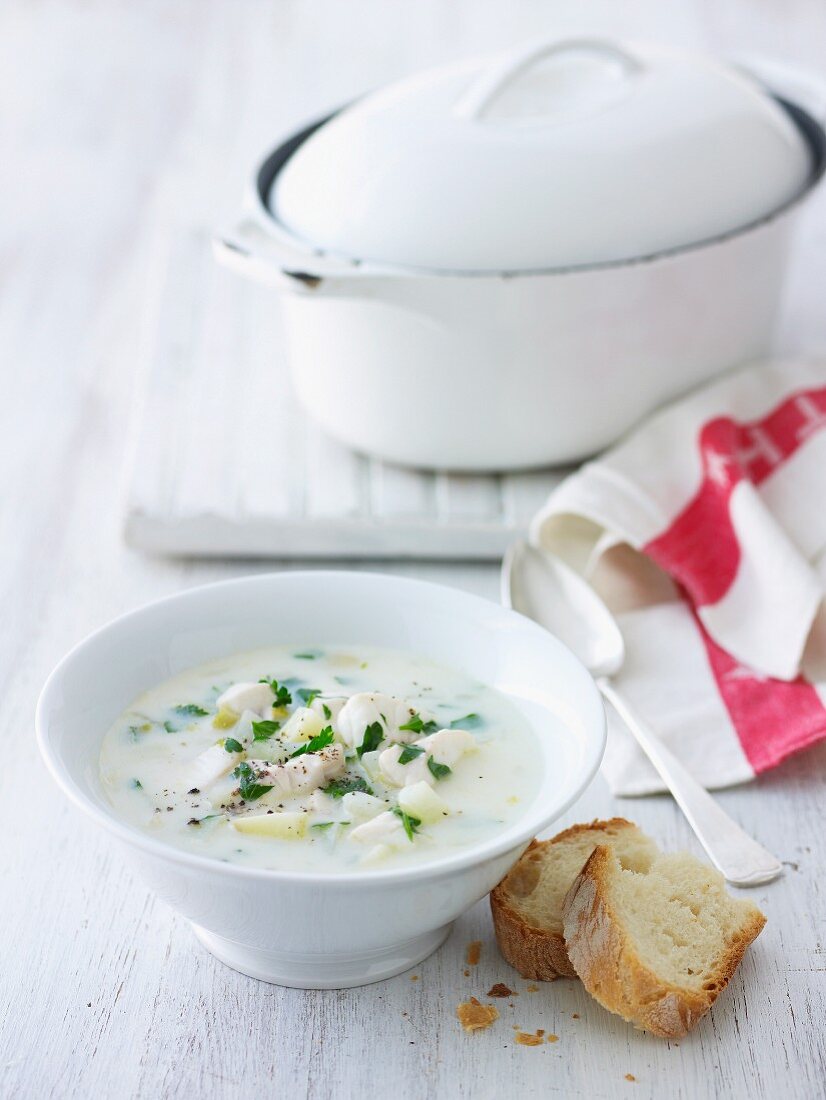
772 718
700 549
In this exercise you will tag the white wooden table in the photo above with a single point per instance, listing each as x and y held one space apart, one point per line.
103 992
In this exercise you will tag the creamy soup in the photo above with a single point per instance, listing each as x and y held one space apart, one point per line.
320 760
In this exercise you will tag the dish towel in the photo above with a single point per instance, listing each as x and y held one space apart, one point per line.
705 532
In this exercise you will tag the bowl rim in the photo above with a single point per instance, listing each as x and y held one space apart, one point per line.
591 707
270 163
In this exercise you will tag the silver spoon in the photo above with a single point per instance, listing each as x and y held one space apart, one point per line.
542 587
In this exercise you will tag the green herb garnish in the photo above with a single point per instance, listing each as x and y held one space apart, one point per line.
315 744
169 727
305 656
136 783
262 731
198 820
308 694
469 722
280 691
411 824
231 745
373 737
191 710
323 825
248 784
418 725
328 714
437 770
348 783
410 752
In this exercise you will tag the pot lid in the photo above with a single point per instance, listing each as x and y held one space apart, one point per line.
572 153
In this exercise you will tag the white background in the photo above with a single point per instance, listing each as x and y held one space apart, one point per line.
105 107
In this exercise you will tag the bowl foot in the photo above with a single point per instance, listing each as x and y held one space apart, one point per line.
335 971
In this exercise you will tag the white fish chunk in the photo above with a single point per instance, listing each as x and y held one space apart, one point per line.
400 775
247 696
445 746
365 708
385 828
448 746
303 773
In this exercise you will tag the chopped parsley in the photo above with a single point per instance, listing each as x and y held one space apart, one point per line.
437 770
345 785
469 722
262 731
328 714
410 752
315 744
308 694
373 737
248 784
418 725
280 691
169 727
323 825
231 745
191 710
136 783
305 656
411 824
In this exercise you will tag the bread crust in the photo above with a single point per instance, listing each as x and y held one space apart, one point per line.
537 953
613 973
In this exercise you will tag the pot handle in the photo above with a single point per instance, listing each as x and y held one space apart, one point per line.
256 254
484 90
799 85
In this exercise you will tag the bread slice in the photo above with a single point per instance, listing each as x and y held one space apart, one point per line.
655 944
527 903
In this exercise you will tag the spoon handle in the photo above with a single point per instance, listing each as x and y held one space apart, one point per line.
741 860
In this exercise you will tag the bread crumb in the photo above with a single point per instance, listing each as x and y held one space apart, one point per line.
474 952
553 1038
474 1016
526 1039
501 990
532 988
466 973
630 1077
574 1015
414 977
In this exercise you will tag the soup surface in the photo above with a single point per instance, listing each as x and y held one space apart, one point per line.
320 760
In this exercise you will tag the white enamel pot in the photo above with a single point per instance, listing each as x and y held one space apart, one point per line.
498 370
